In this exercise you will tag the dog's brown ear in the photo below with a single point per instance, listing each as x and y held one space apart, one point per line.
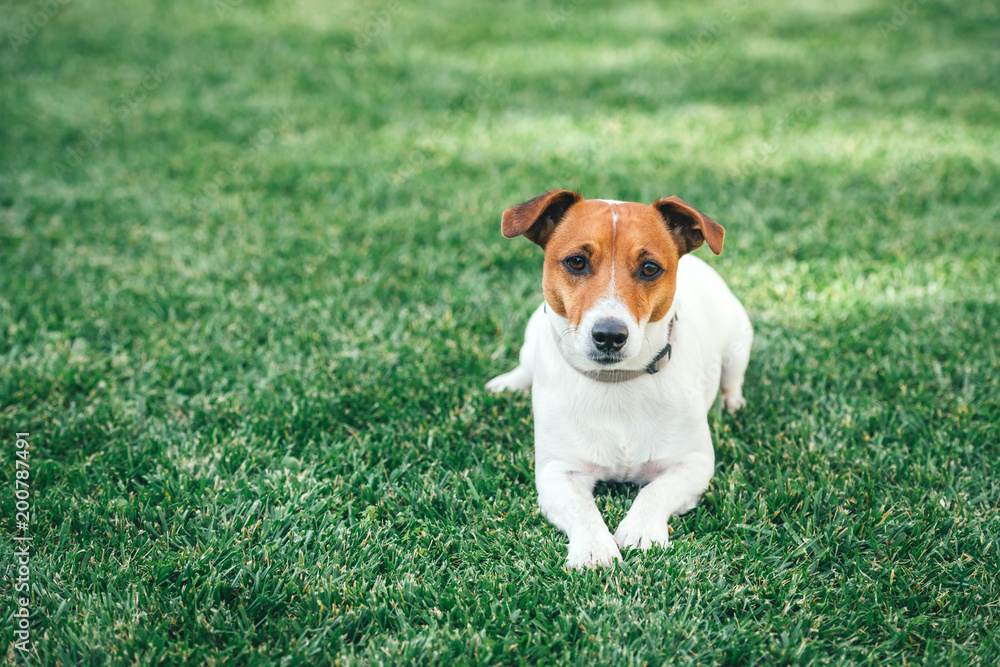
689 226
537 218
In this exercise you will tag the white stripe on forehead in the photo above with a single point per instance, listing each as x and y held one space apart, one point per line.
614 215
614 236
614 218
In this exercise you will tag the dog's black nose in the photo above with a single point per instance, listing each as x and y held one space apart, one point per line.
610 335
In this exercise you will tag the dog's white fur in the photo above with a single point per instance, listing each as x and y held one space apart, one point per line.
652 430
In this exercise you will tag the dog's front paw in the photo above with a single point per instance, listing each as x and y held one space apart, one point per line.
642 533
593 552
516 380
733 400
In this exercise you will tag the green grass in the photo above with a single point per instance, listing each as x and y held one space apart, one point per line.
247 311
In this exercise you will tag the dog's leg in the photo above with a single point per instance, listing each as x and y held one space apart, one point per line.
734 365
566 498
732 397
516 380
674 492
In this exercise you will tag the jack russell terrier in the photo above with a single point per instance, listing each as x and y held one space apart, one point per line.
624 360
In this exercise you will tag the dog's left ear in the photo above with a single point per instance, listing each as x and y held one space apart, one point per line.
689 226
537 218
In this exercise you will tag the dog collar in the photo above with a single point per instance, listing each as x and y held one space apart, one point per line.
614 375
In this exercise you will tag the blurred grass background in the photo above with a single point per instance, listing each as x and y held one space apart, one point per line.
253 283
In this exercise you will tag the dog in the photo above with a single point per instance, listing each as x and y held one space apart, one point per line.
624 359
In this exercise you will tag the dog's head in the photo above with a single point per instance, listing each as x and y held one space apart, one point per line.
610 267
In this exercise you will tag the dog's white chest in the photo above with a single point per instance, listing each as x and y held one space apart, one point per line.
621 432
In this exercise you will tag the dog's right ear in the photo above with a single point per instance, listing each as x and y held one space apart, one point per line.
537 218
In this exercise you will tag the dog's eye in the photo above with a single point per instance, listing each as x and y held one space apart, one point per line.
650 269
576 263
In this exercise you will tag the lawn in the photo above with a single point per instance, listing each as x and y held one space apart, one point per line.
253 283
